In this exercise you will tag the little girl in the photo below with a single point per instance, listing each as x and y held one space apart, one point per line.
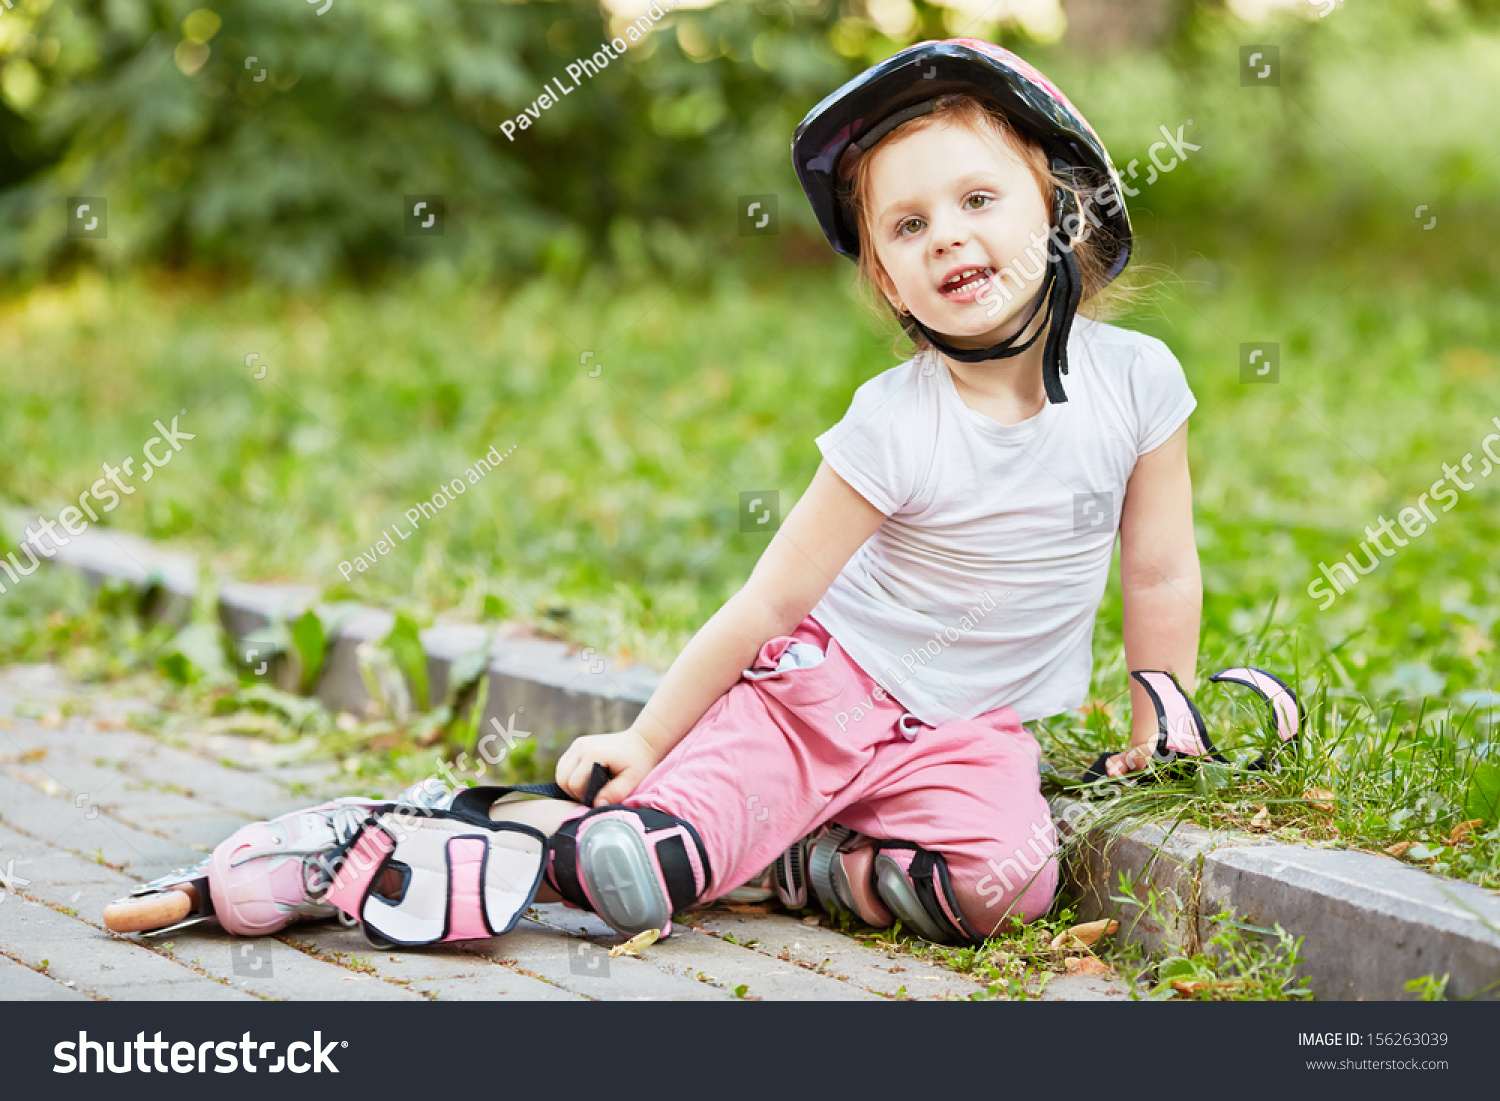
851 719
853 715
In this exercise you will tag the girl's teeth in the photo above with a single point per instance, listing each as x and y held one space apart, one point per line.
968 279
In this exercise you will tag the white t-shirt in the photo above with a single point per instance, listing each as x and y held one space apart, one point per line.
981 588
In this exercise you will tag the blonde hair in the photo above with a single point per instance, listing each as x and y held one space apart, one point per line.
1095 253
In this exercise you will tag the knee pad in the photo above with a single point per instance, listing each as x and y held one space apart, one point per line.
633 866
914 883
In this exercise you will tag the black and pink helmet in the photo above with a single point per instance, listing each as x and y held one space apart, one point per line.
924 72
909 84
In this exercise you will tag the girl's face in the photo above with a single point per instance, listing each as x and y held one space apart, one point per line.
950 211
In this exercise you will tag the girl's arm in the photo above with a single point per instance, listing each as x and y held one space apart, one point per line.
1161 585
819 535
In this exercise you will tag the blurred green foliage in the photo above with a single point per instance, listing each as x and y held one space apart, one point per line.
299 177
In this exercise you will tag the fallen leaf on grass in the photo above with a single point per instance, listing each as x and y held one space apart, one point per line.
633 946
1320 799
1085 935
1398 850
1459 831
1087 965
1198 986
1262 820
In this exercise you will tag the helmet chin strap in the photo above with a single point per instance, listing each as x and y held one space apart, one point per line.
1062 289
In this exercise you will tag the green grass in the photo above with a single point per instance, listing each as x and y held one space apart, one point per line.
614 521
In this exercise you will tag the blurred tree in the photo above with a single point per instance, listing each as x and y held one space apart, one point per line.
267 139
262 135
1101 26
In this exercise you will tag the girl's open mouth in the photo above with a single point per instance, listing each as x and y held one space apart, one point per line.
964 285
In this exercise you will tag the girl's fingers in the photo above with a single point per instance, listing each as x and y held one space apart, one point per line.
578 781
616 790
565 765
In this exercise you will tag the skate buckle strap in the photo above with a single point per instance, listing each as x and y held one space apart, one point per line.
821 874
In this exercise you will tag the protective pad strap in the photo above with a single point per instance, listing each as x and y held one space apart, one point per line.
1182 732
478 800
459 875
914 883
1286 709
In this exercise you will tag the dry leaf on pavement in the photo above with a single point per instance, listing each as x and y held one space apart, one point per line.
633 946
1087 965
1084 936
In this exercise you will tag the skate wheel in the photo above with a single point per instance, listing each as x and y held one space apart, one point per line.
148 912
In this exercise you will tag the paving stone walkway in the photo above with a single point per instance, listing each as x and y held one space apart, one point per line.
89 807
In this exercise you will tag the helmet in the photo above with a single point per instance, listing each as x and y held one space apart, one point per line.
847 123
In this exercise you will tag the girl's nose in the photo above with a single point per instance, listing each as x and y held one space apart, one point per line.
949 238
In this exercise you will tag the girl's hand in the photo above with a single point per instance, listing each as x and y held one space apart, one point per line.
1133 759
624 752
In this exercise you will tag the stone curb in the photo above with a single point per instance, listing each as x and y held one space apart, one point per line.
552 693
1369 923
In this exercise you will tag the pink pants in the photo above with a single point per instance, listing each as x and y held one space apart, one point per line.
781 753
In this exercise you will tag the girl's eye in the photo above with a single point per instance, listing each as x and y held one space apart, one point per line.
908 227
977 202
